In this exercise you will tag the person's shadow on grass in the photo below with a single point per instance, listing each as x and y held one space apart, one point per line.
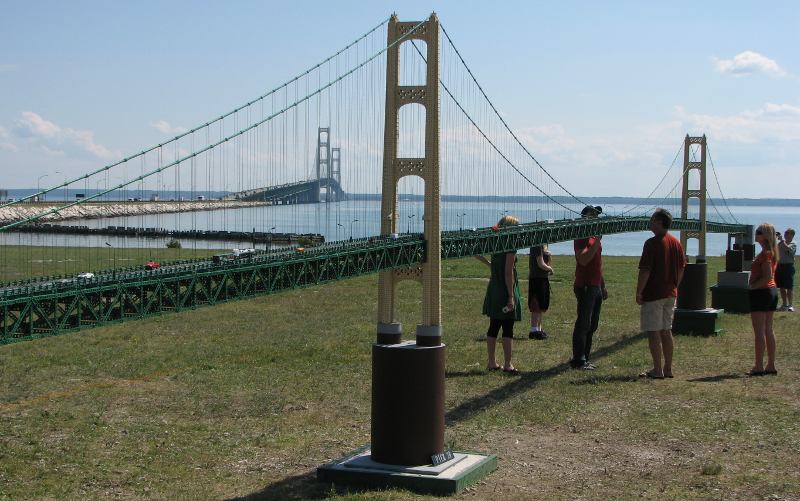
718 377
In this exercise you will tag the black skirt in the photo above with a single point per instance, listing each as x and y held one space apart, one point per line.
764 299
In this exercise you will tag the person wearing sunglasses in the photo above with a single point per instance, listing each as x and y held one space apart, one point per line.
764 299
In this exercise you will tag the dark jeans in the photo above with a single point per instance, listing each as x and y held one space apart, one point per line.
590 299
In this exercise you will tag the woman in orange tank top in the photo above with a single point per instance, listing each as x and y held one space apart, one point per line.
764 299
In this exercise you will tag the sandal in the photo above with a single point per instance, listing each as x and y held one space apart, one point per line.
754 373
512 370
495 368
650 375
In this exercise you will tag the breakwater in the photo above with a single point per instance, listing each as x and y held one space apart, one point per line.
95 210
257 237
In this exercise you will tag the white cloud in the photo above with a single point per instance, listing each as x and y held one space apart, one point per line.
5 141
55 139
165 128
747 63
770 123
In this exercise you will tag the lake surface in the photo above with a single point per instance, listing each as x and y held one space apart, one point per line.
339 221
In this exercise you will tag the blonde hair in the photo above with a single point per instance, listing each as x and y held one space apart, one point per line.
770 241
507 221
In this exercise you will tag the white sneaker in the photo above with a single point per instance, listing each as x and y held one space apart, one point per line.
783 307
790 308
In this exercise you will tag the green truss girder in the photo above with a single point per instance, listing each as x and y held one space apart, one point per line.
38 309
457 244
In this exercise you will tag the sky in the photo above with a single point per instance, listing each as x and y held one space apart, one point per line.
602 93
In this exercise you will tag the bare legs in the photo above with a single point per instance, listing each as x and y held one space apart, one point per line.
491 348
491 344
661 344
536 319
764 339
507 353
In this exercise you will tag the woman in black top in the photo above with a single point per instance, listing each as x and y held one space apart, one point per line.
539 289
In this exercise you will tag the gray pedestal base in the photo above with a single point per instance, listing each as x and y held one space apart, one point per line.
358 469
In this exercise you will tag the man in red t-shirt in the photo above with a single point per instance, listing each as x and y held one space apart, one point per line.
660 272
590 291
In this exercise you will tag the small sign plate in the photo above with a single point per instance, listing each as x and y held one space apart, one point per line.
442 457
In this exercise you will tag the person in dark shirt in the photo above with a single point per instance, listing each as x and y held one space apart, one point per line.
590 291
660 272
539 288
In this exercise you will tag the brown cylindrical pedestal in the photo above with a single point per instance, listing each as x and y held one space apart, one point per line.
692 290
734 260
407 403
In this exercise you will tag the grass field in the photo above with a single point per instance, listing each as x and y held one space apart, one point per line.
19 262
246 399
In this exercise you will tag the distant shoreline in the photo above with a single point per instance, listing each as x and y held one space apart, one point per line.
616 200
750 202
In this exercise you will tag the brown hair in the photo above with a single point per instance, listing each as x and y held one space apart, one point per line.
664 216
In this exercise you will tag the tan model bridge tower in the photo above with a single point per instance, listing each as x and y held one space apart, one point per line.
699 192
408 377
394 168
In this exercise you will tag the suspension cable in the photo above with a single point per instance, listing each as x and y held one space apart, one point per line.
714 170
195 129
659 183
504 122
218 143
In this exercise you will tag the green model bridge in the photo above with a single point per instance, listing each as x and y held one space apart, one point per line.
46 307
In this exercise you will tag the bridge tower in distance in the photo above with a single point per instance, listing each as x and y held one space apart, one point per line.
691 163
336 165
323 160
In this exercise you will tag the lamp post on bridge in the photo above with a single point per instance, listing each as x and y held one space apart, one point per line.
351 228
537 214
408 228
460 218
65 181
114 253
339 225
38 186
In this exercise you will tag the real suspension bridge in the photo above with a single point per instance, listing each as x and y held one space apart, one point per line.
264 149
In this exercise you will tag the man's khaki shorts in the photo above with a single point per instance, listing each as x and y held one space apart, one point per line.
657 315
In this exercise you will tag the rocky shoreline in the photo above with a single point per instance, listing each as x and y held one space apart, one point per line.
94 210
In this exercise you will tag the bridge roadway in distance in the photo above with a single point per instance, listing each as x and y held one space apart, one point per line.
52 305
291 193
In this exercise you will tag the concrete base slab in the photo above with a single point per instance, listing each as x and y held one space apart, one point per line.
358 469
740 279
697 322
731 299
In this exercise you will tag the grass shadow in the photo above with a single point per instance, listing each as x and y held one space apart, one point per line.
304 486
525 382
718 377
605 379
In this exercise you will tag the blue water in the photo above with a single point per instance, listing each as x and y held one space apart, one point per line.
339 221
